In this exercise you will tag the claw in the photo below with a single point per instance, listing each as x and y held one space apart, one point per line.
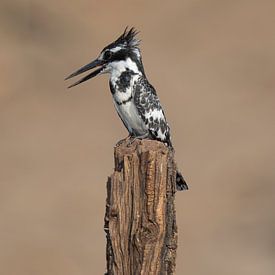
133 139
124 140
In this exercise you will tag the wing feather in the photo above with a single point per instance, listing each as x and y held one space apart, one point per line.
150 110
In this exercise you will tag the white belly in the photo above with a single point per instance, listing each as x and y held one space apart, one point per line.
129 115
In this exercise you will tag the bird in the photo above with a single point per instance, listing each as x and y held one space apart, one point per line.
135 99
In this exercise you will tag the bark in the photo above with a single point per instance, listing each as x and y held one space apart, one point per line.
140 220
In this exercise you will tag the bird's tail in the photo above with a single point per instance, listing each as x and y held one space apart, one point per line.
180 182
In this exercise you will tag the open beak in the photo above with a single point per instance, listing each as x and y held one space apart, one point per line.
86 68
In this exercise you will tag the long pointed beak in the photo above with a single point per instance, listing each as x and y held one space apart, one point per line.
84 69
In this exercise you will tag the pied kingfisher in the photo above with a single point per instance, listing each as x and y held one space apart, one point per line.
135 99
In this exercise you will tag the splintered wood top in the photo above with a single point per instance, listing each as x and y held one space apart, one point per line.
126 148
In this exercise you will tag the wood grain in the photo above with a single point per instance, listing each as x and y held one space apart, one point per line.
140 220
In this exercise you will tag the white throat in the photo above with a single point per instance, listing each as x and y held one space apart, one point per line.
117 67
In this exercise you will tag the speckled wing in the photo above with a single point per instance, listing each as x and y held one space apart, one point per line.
150 110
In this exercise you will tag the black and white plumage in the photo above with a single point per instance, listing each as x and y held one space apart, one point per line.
139 108
135 99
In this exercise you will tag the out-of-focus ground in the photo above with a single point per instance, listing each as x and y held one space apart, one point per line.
212 63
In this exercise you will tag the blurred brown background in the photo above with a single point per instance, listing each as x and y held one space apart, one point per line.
212 63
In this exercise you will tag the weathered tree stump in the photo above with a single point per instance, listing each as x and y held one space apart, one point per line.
140 219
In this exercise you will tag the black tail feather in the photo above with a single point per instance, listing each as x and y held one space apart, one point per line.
180 182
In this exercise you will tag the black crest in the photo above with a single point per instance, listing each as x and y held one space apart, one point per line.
129 38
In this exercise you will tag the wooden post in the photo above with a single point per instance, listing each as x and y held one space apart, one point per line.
140 220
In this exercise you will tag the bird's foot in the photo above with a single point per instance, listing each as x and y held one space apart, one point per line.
132 139
129 140
124 140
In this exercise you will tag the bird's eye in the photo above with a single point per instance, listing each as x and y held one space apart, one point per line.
107 55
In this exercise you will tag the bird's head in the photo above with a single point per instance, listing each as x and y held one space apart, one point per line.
123 54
